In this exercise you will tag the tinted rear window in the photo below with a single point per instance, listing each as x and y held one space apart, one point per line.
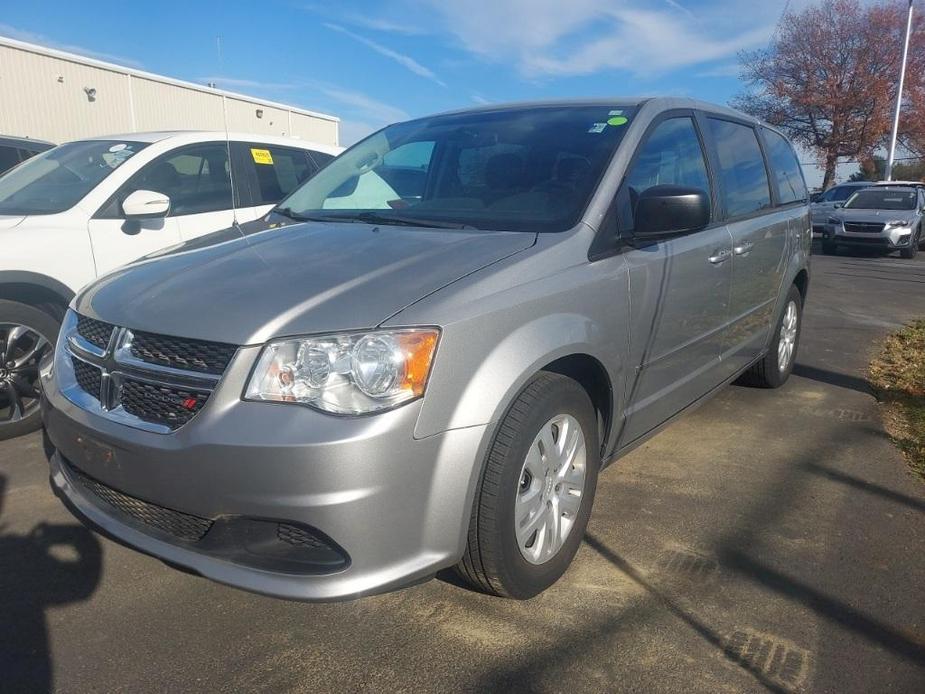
745 187
786 168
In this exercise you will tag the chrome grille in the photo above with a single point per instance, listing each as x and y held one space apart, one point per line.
94 331
172 407
177 353
89 377
148 381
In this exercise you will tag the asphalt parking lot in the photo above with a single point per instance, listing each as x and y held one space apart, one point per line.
772 540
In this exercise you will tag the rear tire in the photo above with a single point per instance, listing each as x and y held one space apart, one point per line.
521 512
774 369
27 334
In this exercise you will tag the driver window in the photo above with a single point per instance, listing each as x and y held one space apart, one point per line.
195 178
671 155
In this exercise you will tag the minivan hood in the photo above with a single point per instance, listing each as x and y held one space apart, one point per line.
305 278
10 221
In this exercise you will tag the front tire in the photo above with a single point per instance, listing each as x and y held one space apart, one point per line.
27 334
910 252
535 494
775 367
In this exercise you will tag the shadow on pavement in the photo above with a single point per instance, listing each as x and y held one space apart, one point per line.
832 378
857 483
48 566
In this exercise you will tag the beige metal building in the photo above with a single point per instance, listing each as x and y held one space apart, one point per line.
52 95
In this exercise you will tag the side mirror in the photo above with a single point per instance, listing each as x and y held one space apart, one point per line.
671 209
145 204
837 205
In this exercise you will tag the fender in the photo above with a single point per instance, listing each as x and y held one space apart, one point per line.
477 390
25 278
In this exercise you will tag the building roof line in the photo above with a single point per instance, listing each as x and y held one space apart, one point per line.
121 69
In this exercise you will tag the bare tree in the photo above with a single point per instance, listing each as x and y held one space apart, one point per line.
828 77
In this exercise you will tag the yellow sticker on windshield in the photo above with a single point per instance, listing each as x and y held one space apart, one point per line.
262 156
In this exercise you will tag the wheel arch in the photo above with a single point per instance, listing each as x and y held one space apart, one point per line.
37 290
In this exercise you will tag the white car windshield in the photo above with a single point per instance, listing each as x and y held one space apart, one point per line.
56 180
882 199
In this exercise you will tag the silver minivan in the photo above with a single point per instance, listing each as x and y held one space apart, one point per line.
435 346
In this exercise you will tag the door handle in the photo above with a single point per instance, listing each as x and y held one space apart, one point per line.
743 248
720 256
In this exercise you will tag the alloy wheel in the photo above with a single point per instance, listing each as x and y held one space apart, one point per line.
21 351
788 336
550 490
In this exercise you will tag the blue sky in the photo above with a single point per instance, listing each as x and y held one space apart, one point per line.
372 63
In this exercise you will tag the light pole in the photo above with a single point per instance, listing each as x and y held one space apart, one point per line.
899 97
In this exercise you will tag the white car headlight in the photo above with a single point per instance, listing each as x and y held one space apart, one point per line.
898 223
346 373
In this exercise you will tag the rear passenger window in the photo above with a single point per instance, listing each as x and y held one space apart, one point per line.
786 169
745 187
9 157
671 155
280 170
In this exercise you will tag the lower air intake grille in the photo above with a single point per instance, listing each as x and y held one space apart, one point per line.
88 377
294 535
172 407
179 525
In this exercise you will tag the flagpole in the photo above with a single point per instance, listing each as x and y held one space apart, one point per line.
899 98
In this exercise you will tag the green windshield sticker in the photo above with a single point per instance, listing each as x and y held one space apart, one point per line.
617 120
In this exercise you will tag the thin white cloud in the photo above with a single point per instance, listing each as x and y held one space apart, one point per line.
376 23
405 61
541 38
679 7
42 40
479 99
366 107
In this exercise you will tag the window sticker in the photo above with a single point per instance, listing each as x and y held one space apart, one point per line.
262 156
616 112
617 120
597 128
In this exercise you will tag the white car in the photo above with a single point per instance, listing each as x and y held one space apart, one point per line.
84 208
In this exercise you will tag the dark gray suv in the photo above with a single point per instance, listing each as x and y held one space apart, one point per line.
429 357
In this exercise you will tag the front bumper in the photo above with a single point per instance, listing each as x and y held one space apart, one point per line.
893 238
397 507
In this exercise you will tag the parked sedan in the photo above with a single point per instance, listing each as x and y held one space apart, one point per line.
84 208
15 150
887 218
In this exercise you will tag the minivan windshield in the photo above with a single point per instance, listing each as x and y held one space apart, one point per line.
523 169
57 179
882 199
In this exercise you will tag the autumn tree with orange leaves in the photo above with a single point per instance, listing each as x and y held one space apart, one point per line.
829 78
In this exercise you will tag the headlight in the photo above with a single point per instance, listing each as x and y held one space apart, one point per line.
899 223
834 220
346 373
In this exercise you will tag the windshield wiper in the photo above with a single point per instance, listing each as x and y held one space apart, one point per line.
296 217
400 220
